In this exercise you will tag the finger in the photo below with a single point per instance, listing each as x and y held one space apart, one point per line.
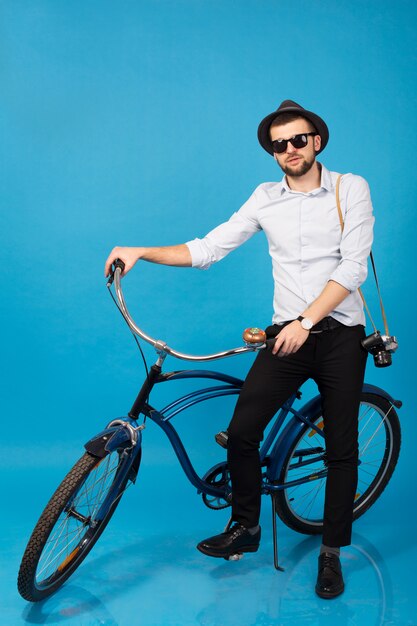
109 261
277 344
108 268
293 347
297 345
289 346
284 348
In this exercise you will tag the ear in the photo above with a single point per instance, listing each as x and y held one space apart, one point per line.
317 143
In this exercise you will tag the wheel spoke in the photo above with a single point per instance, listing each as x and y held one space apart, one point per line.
305 494
54 557
368 473
55 539
318 489
362 451
51 553
87 491
362 417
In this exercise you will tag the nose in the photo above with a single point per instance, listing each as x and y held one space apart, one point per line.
290 148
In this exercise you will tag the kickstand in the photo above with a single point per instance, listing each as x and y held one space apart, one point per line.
274 534
228 525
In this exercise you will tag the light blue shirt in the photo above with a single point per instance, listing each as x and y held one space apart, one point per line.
305 240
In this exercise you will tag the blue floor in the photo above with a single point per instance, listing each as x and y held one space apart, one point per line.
146 571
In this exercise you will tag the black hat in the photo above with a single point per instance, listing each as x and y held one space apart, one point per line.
289 106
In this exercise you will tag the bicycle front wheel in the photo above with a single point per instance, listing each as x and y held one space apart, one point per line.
72 521
300 506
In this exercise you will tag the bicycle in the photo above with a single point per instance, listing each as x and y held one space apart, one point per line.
292 454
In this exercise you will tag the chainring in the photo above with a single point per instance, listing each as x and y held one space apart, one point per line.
218 476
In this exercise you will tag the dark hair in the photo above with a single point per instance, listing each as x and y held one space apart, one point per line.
286 118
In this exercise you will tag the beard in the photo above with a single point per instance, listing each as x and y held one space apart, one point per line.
300 169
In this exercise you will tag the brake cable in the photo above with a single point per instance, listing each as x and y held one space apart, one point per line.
109 284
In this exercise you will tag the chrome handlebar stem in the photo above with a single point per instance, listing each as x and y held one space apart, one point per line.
160 346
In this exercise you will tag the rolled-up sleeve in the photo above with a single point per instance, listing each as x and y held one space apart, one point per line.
357 235
227 236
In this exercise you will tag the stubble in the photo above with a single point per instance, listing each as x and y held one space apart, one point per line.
298 170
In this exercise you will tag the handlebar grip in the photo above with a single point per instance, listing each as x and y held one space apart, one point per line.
119 263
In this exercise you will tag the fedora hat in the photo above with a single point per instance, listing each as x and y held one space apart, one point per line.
289 106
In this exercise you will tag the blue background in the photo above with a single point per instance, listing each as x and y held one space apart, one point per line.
134 123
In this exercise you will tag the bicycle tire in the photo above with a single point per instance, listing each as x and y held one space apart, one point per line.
388 441
66 509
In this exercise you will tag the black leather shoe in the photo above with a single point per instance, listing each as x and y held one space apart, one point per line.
236 539
329 580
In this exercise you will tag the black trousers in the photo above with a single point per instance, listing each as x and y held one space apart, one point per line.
336 361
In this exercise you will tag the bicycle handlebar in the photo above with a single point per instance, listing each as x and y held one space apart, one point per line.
160 346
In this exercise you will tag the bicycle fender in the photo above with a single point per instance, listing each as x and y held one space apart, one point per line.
110 439
377 391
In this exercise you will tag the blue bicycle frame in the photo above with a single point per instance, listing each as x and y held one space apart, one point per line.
273 451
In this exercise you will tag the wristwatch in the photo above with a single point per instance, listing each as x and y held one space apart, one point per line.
306 323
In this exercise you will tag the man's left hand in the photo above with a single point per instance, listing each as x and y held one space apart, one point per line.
290 339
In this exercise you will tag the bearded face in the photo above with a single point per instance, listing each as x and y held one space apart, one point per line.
296 162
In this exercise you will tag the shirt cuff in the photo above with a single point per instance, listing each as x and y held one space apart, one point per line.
199 257
350 275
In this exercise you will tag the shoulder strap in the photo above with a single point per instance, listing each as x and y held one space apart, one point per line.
339 210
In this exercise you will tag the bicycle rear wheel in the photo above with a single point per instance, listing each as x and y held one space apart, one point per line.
72 521
300 506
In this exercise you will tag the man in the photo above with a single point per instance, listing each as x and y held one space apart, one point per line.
318 323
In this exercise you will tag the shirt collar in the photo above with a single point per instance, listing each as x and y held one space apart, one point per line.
325 182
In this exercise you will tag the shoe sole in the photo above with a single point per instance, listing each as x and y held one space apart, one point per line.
327 595
226 555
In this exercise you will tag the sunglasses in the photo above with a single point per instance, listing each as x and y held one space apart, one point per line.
298 141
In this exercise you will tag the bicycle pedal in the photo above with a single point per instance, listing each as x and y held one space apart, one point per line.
221 438
234 557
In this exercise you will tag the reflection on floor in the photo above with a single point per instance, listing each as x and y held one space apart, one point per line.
145 570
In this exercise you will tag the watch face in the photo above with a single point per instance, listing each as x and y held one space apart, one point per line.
306 324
